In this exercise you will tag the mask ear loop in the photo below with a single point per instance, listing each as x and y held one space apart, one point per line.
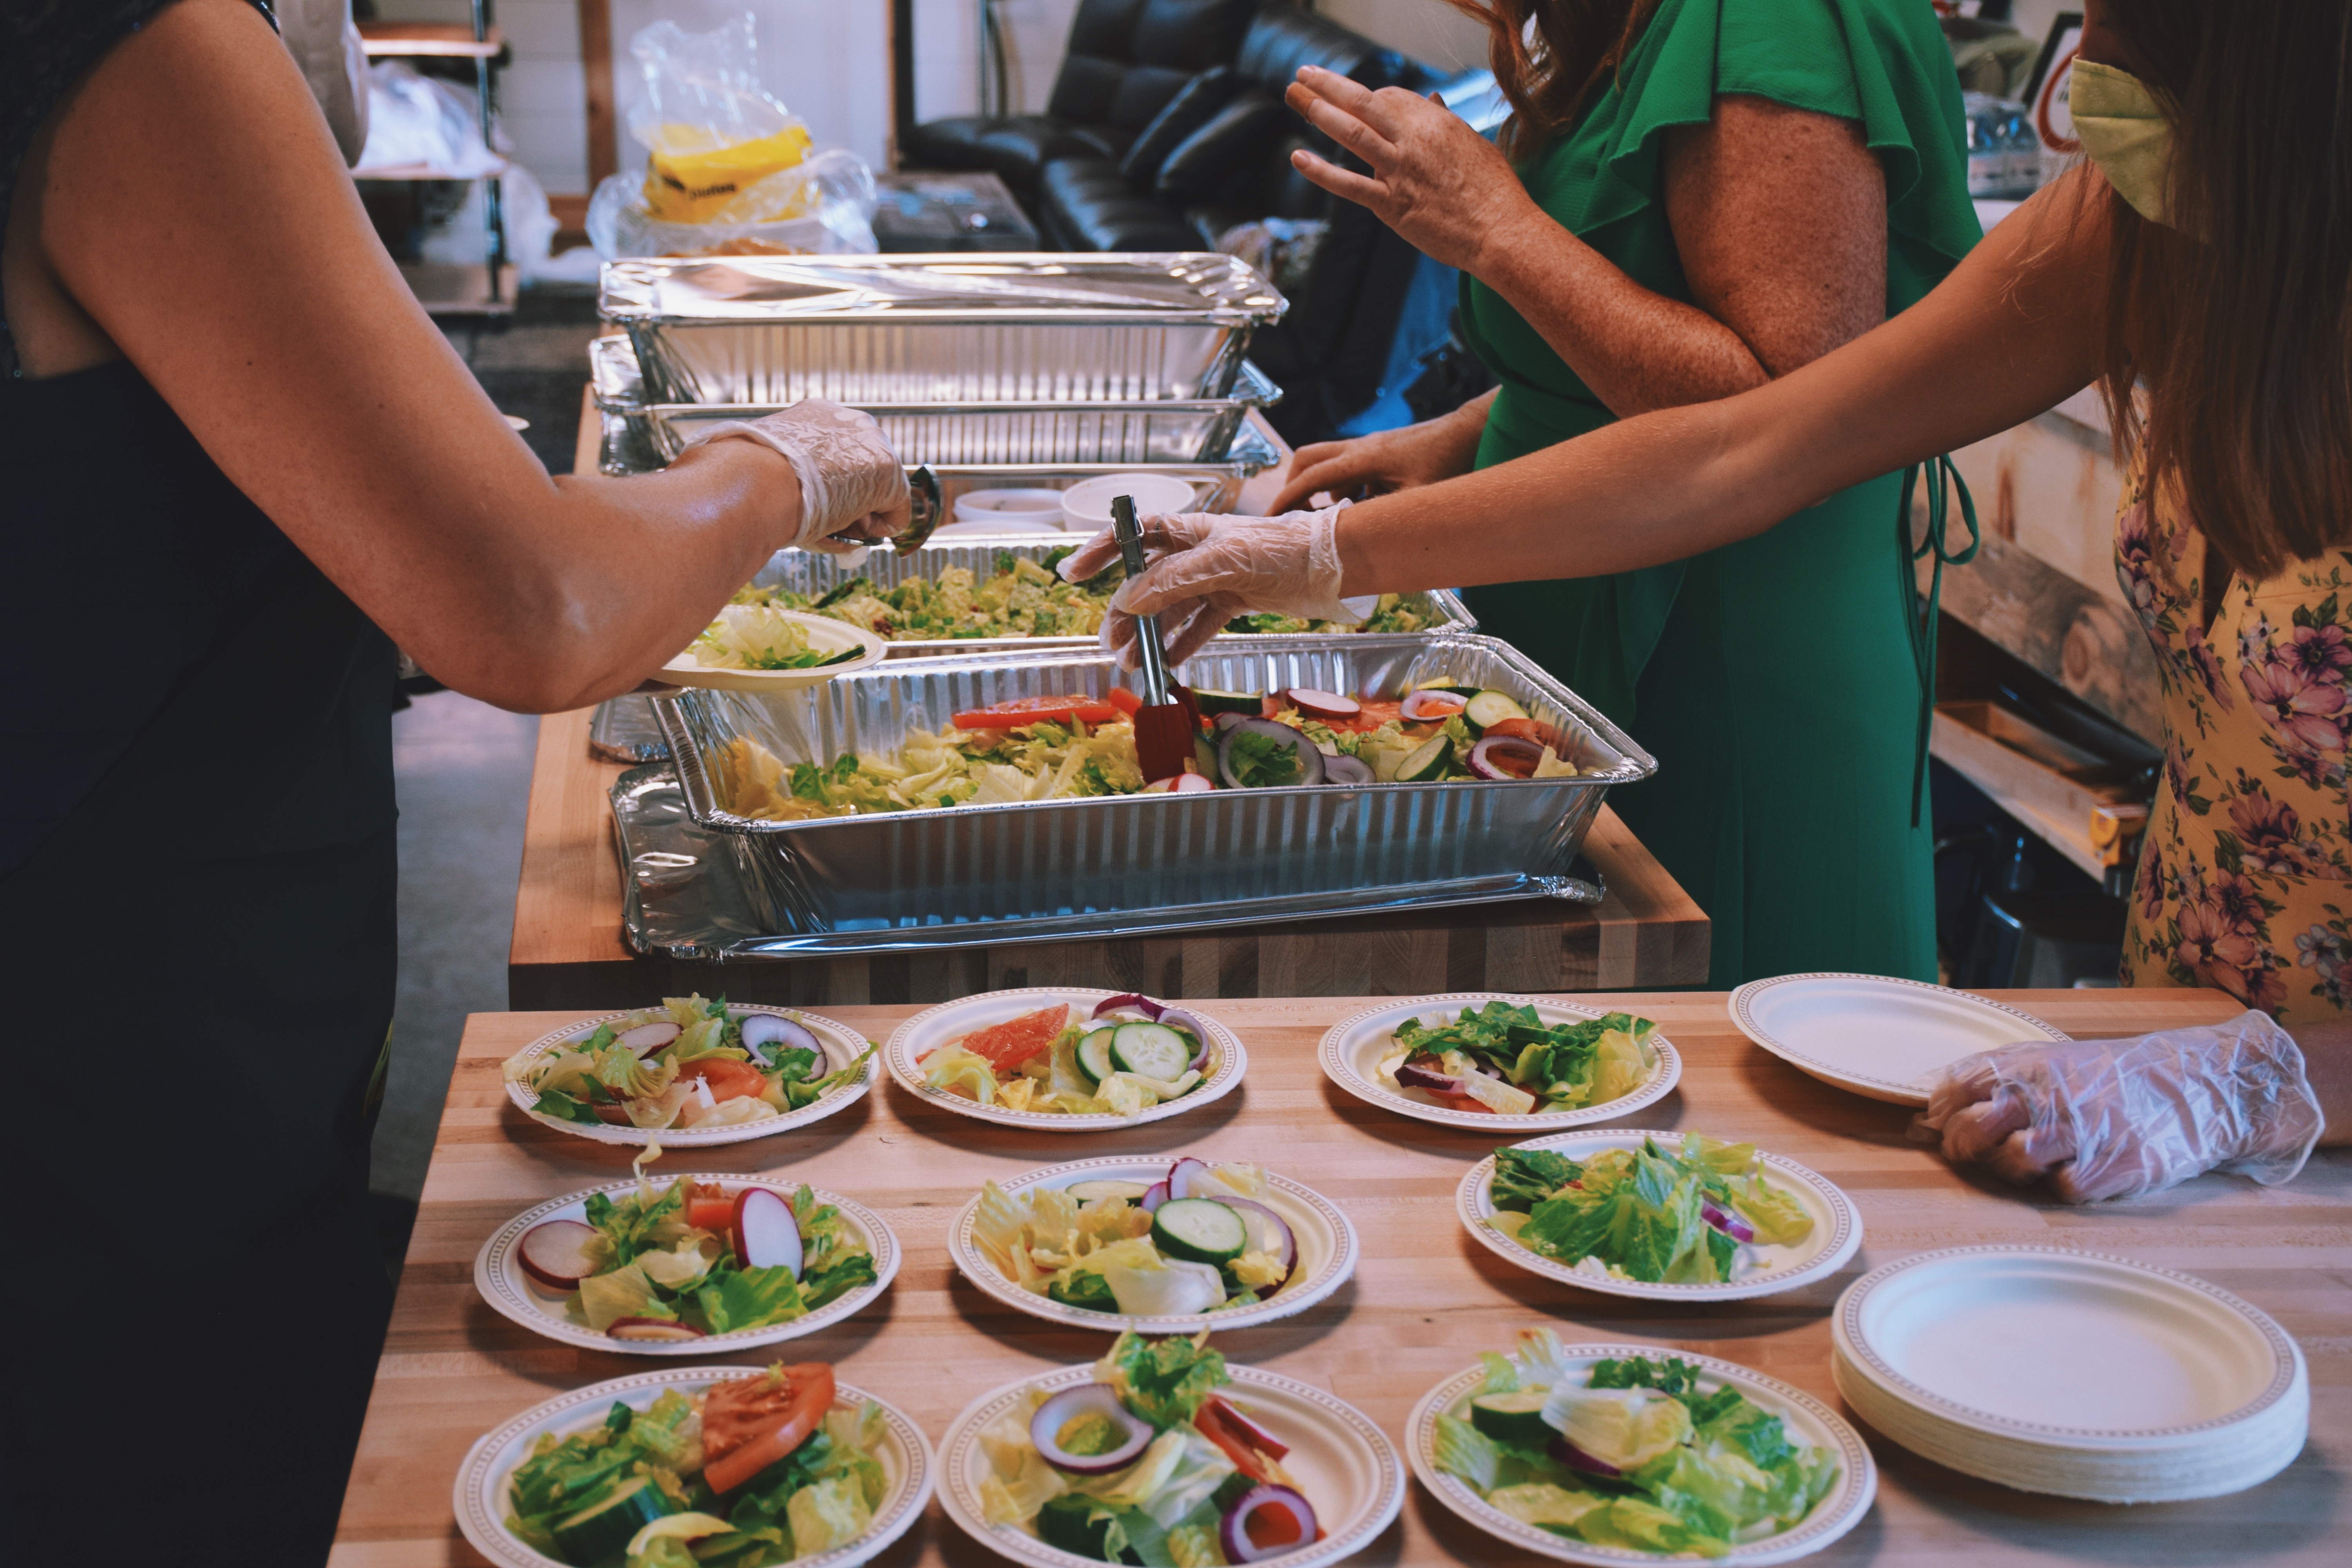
1920 617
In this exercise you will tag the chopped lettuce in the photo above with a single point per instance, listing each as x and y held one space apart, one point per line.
1640 1213
760 636
1565 1067
1163 1381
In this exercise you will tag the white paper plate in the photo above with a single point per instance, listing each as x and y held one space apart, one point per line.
1757 1270
1873 1035
1807 1420
934 1026
824 634
499 1275
2073 1372
1352 1048
1327 1252
1346 1467
481 1490
842 1045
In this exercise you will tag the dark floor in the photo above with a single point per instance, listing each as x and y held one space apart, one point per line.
463 771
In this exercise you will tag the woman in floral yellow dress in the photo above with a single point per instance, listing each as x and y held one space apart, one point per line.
2200 271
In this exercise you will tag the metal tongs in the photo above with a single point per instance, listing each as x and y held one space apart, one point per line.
1166 723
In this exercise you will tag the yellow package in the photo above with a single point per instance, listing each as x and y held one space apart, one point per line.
685 184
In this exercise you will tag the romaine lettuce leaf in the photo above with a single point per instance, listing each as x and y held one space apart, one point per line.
827 1514
750 1299
1162 1380
1524 1177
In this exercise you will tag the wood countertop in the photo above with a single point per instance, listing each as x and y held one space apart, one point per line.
1425 1299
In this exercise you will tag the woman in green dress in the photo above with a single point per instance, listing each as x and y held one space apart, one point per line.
1699 195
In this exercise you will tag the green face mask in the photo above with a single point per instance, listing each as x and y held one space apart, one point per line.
2124 134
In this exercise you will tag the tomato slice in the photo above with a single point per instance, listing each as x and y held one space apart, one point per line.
728 1077
709 1206
750 1423
1524 729
1126 701
1023 710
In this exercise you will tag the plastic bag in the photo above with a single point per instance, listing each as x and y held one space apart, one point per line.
414 119
729 170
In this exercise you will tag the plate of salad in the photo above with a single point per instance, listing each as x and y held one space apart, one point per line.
1064 1059
693 1072
1478 1060
1160 1452
721 1465
757 647
1616 1454
1158 1246
692 1265
1659 1216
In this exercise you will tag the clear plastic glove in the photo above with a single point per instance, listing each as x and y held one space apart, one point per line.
1202 570
850 479
2114 1119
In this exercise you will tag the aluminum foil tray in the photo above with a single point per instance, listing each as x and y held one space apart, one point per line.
1086 865
683 897
998 328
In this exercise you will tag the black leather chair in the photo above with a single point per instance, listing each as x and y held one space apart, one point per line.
1097 173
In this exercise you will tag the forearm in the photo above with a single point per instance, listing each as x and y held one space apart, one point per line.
1638 351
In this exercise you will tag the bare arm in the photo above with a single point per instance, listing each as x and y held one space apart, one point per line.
2011 331
187 209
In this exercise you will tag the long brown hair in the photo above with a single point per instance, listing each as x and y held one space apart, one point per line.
1550 70
2239 319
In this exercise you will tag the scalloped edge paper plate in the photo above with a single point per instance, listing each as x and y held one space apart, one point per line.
480 1494
824 632
500 1280
934 1026
1344 1047
1303 1208
1837 1226
843 1045
1806 1417
1340 1430
1952 1024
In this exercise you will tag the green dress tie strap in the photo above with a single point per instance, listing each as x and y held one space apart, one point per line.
1919 617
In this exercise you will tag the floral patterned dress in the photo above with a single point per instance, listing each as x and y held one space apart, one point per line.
2249 848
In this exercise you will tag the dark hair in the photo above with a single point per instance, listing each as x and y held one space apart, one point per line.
2239 319
1548 71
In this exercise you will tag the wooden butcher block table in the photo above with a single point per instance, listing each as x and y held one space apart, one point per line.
1426 1298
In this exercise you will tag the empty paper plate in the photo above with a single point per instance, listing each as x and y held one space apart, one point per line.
1875 1035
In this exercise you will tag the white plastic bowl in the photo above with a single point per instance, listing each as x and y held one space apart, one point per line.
1085 506
1011 506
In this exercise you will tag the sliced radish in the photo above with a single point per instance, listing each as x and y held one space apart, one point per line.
646 1039
1153 1196
1432 707
1161 786
766 1234
652 1330
1191 784
1323 704
559 1254
1185 1178
764 1034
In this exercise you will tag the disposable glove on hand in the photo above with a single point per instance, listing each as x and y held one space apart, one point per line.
1203 570
849 476
2114 1119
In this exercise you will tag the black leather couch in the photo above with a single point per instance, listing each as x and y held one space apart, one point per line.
1166 128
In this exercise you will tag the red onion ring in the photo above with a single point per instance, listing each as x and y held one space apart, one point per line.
1482 757
1135 999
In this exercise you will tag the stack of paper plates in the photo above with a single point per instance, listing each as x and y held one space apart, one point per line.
2072 1374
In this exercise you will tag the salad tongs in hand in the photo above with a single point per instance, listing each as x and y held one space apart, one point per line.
1164 725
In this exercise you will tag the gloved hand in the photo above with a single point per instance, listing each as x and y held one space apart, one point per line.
1203 570
849 476
2114 1118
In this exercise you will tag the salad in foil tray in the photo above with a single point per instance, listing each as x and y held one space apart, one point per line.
1635 1454
1149 1463
688 1063
1659 1213
1503 1059
1131 1054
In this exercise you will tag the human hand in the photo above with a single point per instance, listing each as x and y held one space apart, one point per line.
850 480
1385 461
1447 189
1205 570
2114 1119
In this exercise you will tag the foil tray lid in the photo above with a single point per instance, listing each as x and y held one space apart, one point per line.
1139 288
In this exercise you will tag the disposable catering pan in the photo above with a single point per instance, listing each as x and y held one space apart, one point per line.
963 328
1190 430
1074 862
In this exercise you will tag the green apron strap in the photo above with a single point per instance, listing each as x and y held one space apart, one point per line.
1919 617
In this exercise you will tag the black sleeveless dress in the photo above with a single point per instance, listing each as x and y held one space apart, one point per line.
196 936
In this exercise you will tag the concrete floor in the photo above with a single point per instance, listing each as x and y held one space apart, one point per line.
462 772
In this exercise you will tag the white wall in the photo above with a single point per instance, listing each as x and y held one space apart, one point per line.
542 95
829 61
1429 30
947 52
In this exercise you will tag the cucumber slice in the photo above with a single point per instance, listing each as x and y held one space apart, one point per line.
603 1530
1513 1418
1200 1230
1088 1192
1150 1050
1215 702
1063 1522
1447 683
1425 761
1491 708
1094 1055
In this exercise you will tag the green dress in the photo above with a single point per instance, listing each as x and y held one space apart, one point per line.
1772 678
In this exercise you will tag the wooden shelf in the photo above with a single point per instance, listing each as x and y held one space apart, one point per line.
420 172
418 40
2049 786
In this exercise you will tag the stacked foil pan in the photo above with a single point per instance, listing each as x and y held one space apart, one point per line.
1057 863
